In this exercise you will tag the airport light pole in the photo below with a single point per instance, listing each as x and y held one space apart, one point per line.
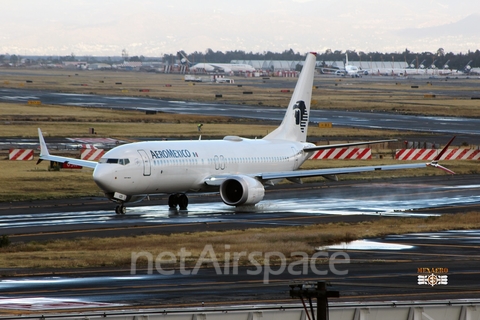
311 290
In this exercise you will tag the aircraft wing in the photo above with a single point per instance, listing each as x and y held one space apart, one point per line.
342 145
45 155
334 171
330 173
326 70
220 67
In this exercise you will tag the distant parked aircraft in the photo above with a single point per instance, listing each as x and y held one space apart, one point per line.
216 67
348 70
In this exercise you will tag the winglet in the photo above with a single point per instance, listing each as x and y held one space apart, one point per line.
43 147
444 149
434 162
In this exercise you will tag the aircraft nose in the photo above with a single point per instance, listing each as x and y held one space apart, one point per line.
102 178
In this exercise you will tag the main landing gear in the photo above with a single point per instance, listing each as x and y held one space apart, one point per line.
178 199
120 209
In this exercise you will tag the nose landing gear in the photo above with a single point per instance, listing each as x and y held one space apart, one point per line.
120 209
178 199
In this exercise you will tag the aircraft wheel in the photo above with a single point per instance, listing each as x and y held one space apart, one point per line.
173 201
120 209
183 201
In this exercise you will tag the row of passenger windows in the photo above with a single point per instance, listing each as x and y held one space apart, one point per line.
197 161
219 160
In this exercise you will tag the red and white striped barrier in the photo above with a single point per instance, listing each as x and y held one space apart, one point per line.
92 154
20 154
88 146
430 154
343 153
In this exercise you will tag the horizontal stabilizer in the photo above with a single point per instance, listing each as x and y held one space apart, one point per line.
343 145
45 155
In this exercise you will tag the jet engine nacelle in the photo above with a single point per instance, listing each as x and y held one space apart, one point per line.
242 190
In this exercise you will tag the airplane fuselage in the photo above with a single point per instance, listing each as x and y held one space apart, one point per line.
182 166
223 67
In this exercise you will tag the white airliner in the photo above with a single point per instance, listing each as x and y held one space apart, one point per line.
238 168
216 67
222 67
349 70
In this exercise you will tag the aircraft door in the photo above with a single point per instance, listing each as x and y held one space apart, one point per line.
295 158
219 162
147 169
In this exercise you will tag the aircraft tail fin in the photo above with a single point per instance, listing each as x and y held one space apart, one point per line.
295 123
183 58
467 67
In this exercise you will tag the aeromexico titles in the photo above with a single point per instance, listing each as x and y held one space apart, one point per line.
237 168
169 153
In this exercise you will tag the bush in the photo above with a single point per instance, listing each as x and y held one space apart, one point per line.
4 241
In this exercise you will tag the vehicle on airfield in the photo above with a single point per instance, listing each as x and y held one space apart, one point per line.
238 168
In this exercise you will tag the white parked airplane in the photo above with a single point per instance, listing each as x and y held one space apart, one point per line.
216 67
238 168
349 70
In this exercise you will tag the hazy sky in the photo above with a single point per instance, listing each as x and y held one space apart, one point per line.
152 28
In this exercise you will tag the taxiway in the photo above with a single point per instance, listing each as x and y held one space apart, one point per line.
284 205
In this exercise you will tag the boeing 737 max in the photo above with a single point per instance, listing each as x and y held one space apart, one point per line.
238 168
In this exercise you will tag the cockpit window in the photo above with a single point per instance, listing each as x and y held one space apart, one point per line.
123 162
